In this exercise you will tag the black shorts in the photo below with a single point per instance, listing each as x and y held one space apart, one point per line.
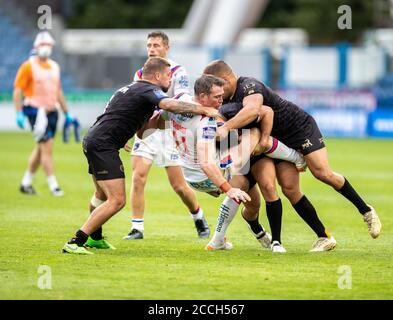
306 138
50 132
104 161
249 176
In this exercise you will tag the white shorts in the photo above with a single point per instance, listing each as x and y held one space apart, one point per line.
198 180
158 147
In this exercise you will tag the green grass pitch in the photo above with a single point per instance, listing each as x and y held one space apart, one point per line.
171 263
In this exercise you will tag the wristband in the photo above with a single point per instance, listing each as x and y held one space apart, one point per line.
225 187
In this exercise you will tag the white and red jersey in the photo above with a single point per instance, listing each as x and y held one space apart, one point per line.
188 130
180 83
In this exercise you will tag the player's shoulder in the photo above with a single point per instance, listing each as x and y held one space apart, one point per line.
173 63
249 85
183 96
138 74
176 67
153 90
248 80
142 83
137 87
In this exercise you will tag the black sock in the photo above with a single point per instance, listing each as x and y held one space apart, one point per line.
97 235
307 212
80 238
274 215
255 226
349 192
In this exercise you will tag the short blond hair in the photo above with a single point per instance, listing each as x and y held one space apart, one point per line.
153 65
218 68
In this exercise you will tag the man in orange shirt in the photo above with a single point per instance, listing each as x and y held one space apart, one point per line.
38 81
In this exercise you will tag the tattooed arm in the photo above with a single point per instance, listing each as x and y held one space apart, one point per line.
177 106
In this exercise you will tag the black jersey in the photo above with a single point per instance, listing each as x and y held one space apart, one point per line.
287 115
231 109
126 112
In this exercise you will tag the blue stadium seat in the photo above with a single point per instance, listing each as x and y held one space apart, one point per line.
383 92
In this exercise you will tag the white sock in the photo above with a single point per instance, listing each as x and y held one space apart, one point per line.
226 214
52 182
27 179
198 215
137 224
280 151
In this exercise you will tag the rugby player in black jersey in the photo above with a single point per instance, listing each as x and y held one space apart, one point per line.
298 130
127 111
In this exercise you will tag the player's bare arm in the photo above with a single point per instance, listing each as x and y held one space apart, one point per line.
205 151
249 141
266 117
177 106
249 112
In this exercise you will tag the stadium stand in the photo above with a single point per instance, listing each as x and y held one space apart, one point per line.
383 91
15 47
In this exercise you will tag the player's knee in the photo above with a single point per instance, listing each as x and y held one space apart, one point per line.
268 190
322 174
251 212
100 195
250 215
97 199
255 134
139 180
118 202
179 188
290 191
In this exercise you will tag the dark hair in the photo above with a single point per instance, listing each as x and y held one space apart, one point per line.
218 68
155 64
205 83
159 34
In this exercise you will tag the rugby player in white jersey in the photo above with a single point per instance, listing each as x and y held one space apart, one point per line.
207 168
159 148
